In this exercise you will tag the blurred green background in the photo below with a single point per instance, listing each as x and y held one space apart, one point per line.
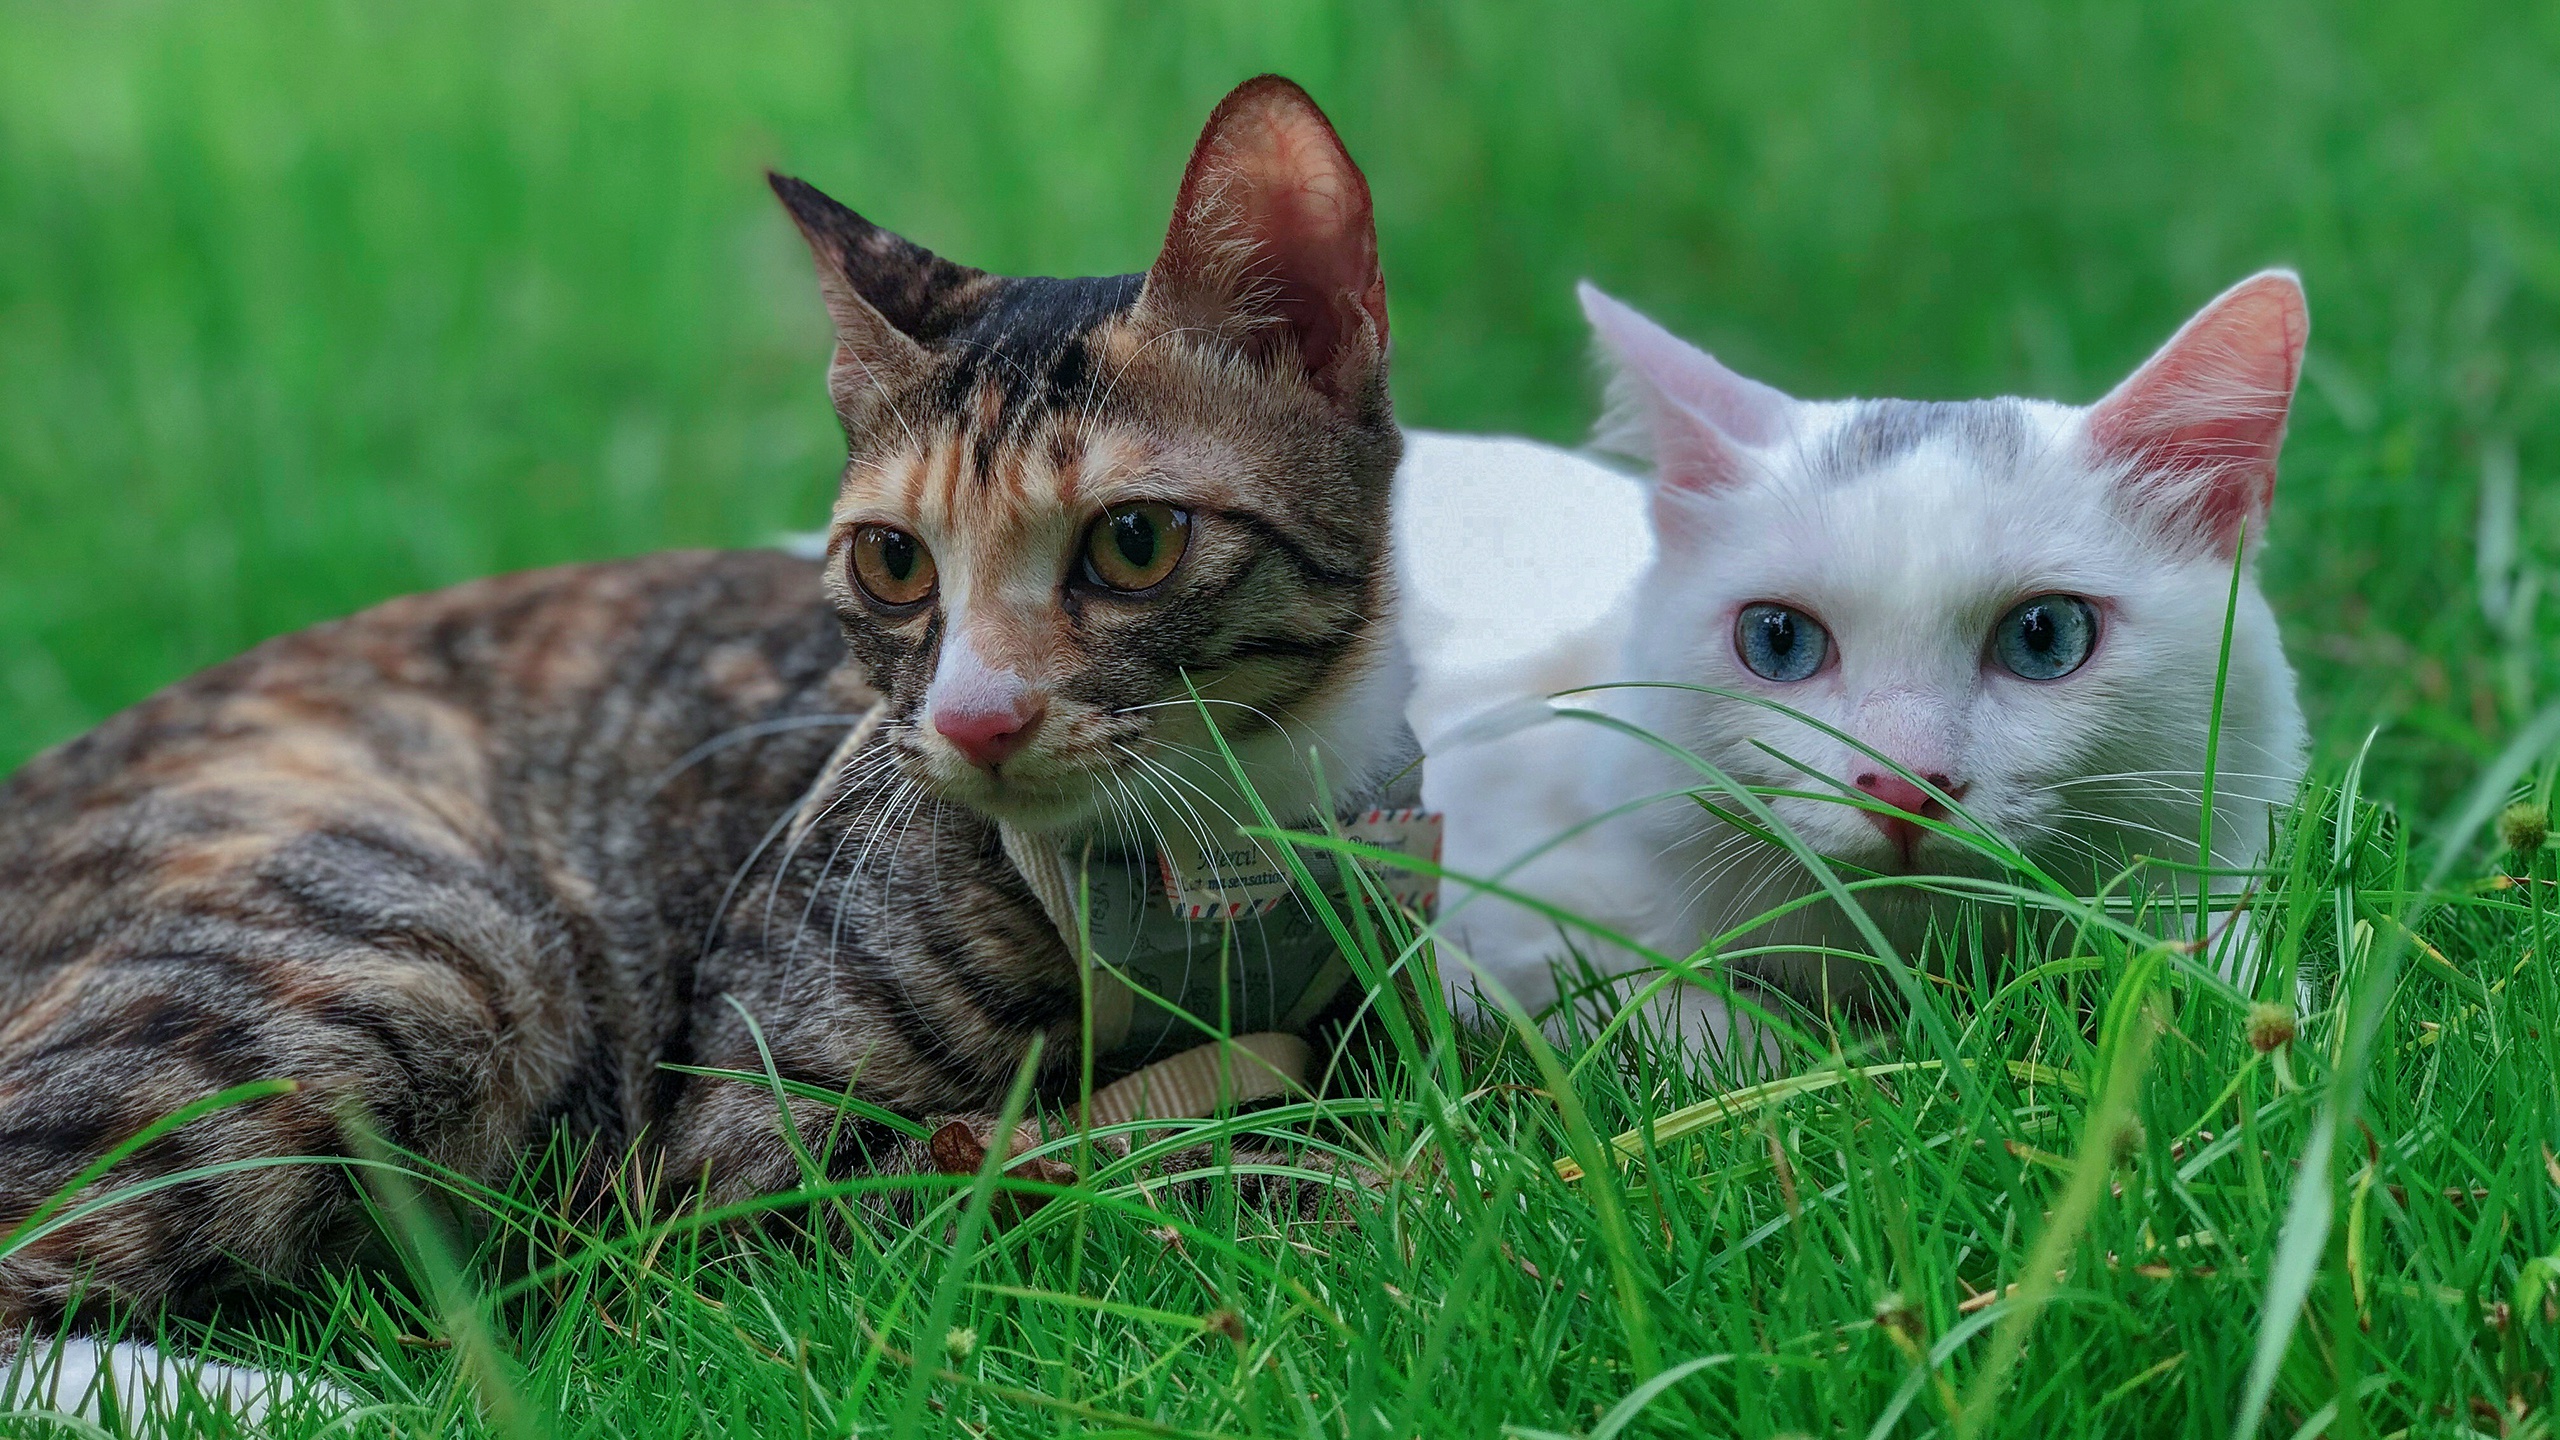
305 304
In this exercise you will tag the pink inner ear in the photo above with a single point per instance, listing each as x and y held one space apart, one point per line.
2202 421
1694 414
1276 220
1318 250
1741 407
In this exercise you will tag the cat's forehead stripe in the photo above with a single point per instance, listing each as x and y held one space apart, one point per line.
1029 351
954 476
1879 432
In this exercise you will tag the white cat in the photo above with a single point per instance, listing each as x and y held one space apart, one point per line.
2017 602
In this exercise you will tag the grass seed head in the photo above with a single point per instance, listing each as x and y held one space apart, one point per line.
2125 1146
2270 1028
2523 828
1902 1321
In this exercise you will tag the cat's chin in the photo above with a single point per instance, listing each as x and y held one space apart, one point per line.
1065 808
1066 811
1933 856
1058 811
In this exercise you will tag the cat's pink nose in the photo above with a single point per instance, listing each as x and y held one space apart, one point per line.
991 736
1891 789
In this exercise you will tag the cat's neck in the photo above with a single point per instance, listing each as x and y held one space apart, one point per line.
1350 742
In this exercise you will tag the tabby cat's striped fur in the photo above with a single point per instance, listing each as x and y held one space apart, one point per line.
475 864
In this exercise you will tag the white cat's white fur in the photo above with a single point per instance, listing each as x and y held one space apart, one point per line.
149 1391
1908 531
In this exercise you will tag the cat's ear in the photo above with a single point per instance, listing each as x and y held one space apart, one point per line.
1273 244
885 293
2197 428
1675 405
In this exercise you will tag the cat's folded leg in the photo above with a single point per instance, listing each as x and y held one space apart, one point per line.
727 1149
412 1041
728 1143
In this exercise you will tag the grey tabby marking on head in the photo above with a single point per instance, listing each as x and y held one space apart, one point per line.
476 866
1992 433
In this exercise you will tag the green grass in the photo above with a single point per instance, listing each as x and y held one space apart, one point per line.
2049 1199
305 305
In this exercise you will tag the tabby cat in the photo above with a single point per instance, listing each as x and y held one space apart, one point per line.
477 864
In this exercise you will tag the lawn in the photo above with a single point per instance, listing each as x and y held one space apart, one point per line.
303 305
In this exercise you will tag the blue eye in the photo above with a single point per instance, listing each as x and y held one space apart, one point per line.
1780 644
2047 637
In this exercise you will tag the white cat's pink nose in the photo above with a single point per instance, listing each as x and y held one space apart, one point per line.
989 737
1891 789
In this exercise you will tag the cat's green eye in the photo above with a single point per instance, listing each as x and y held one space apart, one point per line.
1134 547
1779 642
2047 637
892 566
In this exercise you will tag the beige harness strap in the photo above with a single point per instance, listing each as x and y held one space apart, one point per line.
1188 1086
1201 1081
1045 871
